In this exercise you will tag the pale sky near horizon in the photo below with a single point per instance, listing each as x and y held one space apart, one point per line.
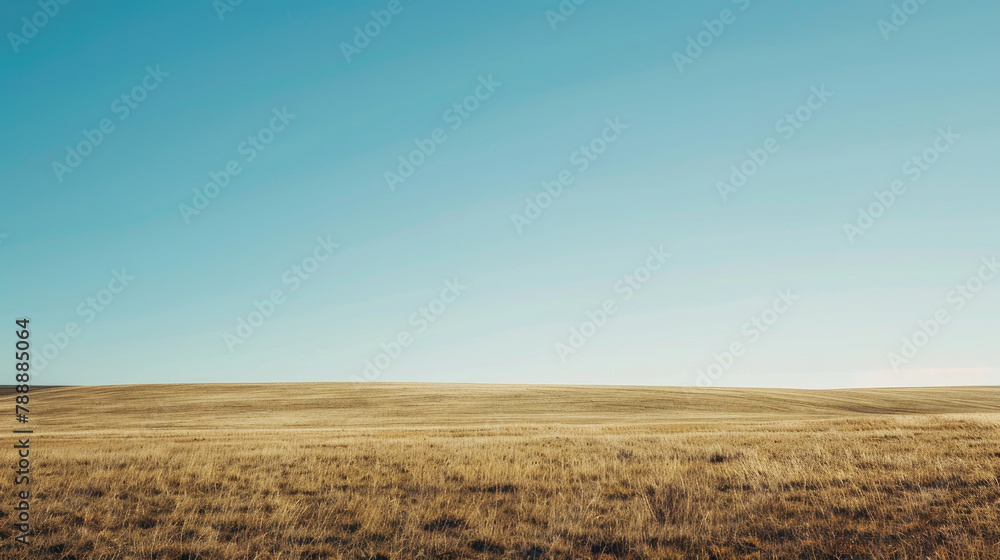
656 262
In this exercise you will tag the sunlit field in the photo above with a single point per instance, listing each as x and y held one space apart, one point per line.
393 471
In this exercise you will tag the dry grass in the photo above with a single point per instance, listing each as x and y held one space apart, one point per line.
433 471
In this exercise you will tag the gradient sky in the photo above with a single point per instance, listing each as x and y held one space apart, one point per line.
323 176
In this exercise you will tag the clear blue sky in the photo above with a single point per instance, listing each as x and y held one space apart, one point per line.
207 83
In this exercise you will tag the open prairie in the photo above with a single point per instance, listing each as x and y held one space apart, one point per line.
393 471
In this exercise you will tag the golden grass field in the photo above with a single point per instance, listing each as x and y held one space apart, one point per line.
400 471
